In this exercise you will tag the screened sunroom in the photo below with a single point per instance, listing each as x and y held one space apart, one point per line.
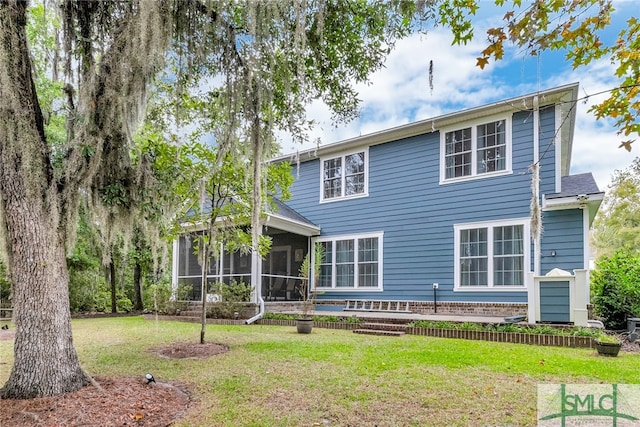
276 273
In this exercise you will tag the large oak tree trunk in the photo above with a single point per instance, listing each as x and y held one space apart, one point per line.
45 361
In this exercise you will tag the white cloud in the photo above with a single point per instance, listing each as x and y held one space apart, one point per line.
400 94
596 142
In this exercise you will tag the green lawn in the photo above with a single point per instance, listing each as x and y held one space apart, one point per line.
273 376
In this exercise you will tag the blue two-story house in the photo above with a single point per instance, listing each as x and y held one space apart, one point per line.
462 213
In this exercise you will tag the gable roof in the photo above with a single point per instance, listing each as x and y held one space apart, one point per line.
278 215
285 218
564 96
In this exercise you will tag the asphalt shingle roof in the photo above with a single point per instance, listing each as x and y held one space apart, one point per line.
573 185
286 212
281 209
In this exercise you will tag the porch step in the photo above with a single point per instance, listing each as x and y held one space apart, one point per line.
191 313
378 332
388 329
193 309
379 305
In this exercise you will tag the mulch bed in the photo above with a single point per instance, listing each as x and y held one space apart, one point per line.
190 350
122 402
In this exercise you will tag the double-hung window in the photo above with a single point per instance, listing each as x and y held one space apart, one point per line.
344 176
478 150
351 262
492 255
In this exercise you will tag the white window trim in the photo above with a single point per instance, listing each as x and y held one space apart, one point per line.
526 222
364 150
474 149
333 287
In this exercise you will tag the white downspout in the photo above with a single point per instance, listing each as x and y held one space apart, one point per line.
536 161
256 283
533 299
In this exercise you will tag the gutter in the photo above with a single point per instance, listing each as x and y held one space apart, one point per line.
572 201
549 97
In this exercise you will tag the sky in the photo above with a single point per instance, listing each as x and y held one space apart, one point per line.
400 94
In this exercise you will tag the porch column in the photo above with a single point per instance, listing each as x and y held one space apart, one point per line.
174 269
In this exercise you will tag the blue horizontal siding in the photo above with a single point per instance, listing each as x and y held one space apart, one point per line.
417 215
547 137
562 233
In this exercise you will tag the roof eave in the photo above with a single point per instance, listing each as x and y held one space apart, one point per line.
271 220
593 200
292 226
559 94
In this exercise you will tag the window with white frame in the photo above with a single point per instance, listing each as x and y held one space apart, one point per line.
351 262
492 255
477 150
344 176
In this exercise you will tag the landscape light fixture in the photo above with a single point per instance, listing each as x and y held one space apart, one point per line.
150 379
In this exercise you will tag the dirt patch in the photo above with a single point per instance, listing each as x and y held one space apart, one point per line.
122 402
190 350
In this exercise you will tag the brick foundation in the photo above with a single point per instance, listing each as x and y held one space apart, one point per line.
470 308
421 307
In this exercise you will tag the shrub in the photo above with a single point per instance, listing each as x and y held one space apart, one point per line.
471 326
159 296
123 304
507 327
279 316
352 319
615 289
234 297
84 287
608 338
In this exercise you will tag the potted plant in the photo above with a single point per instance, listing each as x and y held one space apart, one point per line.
308 293
608 345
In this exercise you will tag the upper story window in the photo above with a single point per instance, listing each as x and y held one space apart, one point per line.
478 150
344 176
